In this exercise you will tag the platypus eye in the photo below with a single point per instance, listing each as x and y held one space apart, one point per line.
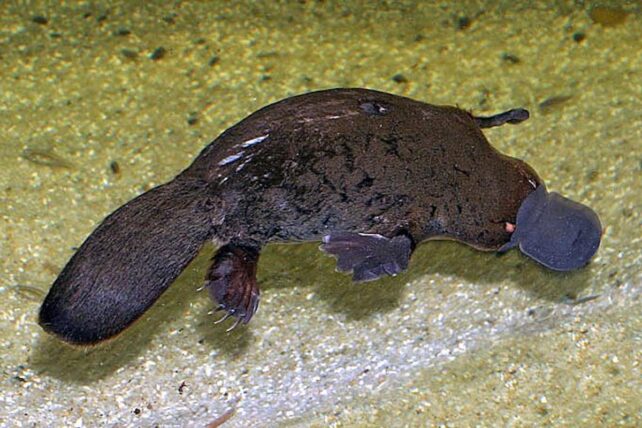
555 231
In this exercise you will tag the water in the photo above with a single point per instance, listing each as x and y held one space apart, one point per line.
462 338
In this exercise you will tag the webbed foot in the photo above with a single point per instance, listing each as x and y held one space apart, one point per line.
513 116
231 281
368 256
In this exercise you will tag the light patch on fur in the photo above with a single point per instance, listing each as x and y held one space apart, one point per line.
374 235
231 158
240 167
253 141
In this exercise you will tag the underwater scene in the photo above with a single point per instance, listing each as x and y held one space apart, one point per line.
104 101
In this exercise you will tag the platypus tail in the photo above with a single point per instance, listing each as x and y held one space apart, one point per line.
127 263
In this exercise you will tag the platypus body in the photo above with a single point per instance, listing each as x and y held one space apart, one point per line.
369 174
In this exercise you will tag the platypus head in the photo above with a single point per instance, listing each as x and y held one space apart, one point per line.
555 231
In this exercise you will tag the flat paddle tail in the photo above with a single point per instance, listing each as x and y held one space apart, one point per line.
127 263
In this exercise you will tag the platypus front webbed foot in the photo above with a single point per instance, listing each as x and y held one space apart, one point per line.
231 281
368 256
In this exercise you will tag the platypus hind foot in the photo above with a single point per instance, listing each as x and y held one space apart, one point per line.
231 281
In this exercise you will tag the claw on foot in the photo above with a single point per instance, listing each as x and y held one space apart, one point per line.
223 318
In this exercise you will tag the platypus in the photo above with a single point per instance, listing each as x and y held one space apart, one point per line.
368 174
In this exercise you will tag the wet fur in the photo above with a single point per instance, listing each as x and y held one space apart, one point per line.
331 165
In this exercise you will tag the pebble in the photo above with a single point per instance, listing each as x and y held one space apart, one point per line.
39 19
399 78
158 53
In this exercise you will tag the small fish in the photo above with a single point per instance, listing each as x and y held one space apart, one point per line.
553 102
45 158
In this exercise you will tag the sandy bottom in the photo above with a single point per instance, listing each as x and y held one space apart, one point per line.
101 102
